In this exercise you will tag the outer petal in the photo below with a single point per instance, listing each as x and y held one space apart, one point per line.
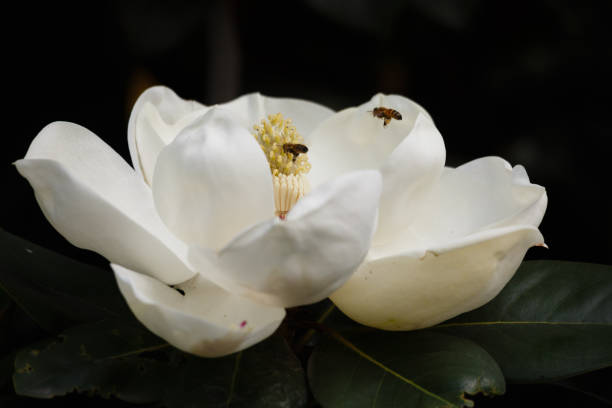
483 194
354 139
212 181
250 109
157 117
406 291
530 201
480 194
96 201
206 320
306 257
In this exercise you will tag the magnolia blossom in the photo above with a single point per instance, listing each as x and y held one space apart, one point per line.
448 239
216 228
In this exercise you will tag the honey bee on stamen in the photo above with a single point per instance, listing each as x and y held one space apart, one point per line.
295 149
386 114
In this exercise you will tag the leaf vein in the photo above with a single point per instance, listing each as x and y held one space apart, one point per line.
134 352
23 307
372 360
230 395
378 389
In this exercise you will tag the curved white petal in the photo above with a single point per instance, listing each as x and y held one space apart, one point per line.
409 175
250 109
480 194
157 117
483 194
212 181
530 205
354 139
206 320
306 257
409 291
97 201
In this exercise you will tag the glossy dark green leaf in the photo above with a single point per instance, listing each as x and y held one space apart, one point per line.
418 369
100 358
55 291
552 320
265 375
114 359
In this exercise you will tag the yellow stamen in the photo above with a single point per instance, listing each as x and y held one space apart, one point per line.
288 160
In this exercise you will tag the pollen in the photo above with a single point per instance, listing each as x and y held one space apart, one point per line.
288 159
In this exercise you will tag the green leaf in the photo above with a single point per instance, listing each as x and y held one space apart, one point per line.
98 358
552 320
55 291
265 375
418 369
115 359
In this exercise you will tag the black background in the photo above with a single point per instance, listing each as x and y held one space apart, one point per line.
528 81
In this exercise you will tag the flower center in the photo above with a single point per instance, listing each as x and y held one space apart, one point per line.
288 159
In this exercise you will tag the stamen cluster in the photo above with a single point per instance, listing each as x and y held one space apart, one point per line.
272 134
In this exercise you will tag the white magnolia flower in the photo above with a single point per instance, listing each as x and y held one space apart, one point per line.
448 240
206 209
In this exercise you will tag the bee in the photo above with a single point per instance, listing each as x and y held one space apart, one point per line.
386 114
295 149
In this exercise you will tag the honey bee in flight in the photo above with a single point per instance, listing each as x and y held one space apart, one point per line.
295 149
386 114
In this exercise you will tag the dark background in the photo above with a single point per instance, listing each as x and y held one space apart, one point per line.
528 81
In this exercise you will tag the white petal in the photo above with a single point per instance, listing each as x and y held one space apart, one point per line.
206 321
97 201
478 195
157 117
483 194
354 139
212 181
306 257
409 291
409 175
250 109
